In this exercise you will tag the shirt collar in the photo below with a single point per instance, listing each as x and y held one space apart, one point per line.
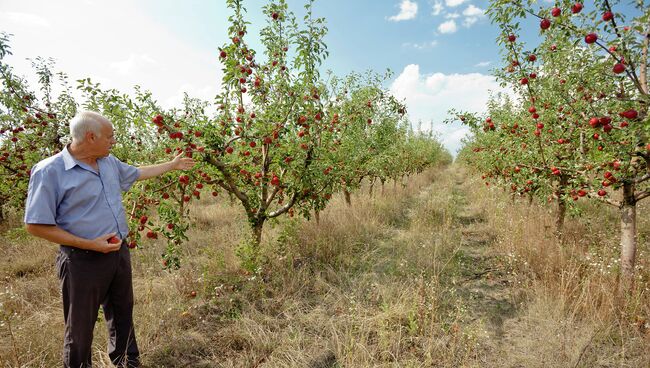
68 161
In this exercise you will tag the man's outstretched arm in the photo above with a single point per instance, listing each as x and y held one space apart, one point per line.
178 163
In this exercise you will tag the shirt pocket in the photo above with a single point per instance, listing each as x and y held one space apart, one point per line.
112 189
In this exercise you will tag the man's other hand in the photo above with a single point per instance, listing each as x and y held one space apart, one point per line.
106 243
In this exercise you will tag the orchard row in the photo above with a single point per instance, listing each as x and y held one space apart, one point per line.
279 139
577 127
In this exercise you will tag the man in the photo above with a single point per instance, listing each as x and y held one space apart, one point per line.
74 199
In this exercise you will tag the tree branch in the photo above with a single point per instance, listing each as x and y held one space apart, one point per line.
642 195
231 186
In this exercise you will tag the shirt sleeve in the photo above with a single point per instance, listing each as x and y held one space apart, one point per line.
128 174
42 198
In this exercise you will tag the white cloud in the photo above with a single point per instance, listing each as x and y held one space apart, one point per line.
469 21
407 10
205 92
453 3
422 45
132 64
24 19
452 15
85 42
429 97
472 15
482 64
448 27
437 8
473 11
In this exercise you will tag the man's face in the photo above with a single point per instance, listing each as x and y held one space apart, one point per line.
105 141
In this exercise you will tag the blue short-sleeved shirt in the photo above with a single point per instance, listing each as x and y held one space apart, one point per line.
71 194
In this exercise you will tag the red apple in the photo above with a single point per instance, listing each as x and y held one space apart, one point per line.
630 114
545 23
556 12
158 120
591 38
576 8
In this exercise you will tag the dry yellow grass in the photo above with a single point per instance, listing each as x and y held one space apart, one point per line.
440 273
573 316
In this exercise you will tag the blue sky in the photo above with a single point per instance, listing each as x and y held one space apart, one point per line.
361 35
440 51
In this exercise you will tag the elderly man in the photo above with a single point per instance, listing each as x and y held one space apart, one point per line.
75 200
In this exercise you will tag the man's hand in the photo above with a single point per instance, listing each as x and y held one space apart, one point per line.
178 163
105 244
182 163
57 235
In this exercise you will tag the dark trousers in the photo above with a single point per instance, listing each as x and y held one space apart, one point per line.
90 279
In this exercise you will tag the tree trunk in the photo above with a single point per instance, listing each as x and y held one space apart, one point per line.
643 68
257 225
628 236
348 200
530 199
382 186
372 185
561 205
317 216
561 212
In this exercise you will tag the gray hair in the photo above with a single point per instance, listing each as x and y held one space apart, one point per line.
84 122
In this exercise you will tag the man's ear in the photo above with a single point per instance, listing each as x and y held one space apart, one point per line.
90 136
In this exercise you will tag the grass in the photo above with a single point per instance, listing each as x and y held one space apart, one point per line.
441 272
